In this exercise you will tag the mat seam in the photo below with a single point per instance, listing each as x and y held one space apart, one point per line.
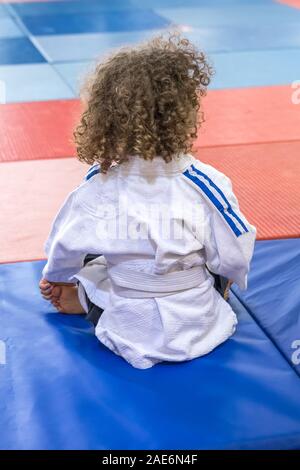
266 333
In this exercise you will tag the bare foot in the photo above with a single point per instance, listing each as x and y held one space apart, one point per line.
65 299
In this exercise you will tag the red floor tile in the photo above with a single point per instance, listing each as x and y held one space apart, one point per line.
39 130
266 180
249 115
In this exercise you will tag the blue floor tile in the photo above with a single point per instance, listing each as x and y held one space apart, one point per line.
18 51
77 6
239 38
73 73
3 11
219 39
8 28
273 36
197 3
67 7
132 20
33 82
80 47
242 15
255 68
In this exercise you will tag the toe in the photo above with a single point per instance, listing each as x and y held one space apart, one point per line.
44 284
46 297
46 291
56 291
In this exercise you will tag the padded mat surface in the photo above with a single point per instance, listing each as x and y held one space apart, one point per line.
273 296
61 389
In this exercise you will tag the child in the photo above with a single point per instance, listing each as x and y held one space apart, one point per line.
154 221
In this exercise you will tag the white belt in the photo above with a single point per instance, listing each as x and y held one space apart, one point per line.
139 285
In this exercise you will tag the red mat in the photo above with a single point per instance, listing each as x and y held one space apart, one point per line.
266 180
33 131
33 193
250 115
37 130
290 3
252 135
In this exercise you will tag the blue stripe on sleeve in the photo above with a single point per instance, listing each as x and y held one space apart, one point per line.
229 208
94 170
215 201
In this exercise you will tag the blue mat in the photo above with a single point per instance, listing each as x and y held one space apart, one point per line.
18 50
61 389
128 20
34 82
273 297
9 29
254 68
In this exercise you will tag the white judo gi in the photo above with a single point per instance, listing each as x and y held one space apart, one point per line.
158 227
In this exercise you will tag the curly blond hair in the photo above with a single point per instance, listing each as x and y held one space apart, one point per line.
143 101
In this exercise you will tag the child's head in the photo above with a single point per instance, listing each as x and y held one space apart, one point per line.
143 101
